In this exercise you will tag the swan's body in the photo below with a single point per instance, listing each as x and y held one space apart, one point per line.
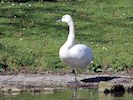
74 55
78 55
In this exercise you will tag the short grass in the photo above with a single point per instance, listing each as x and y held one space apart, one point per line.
31 38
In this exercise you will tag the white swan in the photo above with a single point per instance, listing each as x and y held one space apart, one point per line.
72 54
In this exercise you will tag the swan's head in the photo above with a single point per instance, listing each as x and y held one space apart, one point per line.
66 19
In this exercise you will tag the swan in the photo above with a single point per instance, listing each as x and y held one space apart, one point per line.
73 54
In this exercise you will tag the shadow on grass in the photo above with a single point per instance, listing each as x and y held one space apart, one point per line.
99 78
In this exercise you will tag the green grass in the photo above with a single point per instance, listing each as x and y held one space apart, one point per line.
31 38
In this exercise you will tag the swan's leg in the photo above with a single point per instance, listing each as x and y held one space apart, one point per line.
75 93
75 74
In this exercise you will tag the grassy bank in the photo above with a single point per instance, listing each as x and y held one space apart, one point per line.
30 37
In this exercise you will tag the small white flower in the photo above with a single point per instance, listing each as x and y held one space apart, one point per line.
23 28
92 62
6 46
91 42
104 48
29 5
14 16
2 1
12 4
21 4
126 43
124 14
20 38
26 14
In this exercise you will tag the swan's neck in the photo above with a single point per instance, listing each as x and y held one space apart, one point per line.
71 37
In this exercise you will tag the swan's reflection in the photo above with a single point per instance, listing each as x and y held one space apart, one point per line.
75 93
76 96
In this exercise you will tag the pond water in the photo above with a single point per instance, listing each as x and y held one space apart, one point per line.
66 94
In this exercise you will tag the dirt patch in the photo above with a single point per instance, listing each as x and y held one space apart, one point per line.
27 81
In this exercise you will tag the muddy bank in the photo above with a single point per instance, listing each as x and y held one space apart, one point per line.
39 82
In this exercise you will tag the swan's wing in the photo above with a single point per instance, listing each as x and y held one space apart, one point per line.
81 50
81 54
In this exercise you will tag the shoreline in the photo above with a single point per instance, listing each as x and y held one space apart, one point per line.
43 82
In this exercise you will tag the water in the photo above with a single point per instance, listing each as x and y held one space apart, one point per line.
66 94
